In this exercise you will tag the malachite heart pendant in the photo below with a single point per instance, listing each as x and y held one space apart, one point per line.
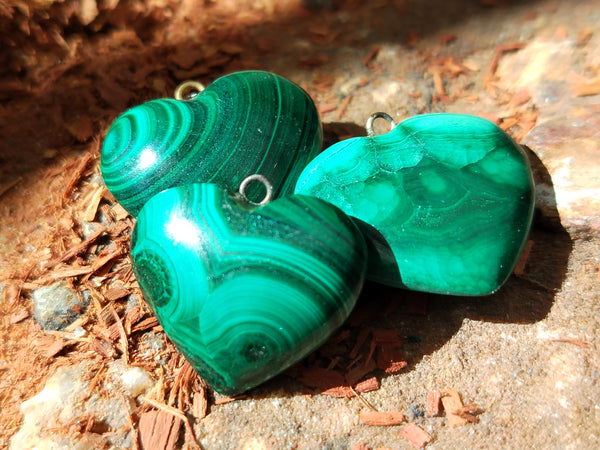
444 200
245 290
243 123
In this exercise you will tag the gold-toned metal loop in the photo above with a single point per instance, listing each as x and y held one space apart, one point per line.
266 183
378 115
188 90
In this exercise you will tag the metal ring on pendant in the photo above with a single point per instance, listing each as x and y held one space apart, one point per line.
266 183
378 115
188 90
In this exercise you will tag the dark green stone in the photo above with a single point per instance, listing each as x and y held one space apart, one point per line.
244 292
444 200
242 124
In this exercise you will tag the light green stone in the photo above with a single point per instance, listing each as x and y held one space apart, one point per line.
244 292
444 200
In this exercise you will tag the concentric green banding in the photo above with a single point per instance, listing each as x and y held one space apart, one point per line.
242 124
249 291
445 201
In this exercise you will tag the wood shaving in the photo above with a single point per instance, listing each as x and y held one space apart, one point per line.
381 419
416 435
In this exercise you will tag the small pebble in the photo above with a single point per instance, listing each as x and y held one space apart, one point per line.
57 306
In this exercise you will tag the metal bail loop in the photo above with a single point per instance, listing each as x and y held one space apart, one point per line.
266 183
378 115
188 90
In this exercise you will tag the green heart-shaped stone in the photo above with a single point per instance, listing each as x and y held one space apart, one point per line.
245 291
242 124
444 200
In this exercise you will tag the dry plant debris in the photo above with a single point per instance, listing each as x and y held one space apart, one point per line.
381 419
82 63
456 412
433 403
416 435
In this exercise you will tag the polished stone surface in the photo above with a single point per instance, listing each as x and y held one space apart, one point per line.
445 201
244 291
243 123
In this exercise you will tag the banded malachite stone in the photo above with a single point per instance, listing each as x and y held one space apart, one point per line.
244 292
241 124
444 200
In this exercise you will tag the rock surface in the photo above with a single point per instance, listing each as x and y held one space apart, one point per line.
57 306
567 135
54 417
528 356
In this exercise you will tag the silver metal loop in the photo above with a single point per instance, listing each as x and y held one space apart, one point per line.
378 115
188 90
266 183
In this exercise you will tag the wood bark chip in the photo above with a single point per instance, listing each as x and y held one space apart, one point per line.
95 381
500 51
132 317
18 316
354 375
119 212
342 391
97 346
177 417
577 342
519 99
389 358
368 385
433 403
159 430
438 82
363 334
561 33
416 435
79 248
106 258
380 419
223 401
447 38
200 403
370 57
116 293
56 347
583 37
361 446
90 212
121 331
587 88
62 273
145 324
326 108
343 107
452 404
456 412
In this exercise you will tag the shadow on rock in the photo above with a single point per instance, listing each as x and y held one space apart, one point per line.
425 322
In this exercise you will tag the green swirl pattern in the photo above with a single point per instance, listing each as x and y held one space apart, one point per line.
242 124
445 201
243 291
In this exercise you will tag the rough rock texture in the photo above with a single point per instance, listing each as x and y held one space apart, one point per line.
528 356
57 306
51 418
567 135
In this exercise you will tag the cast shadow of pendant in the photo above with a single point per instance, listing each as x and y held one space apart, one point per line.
425 322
